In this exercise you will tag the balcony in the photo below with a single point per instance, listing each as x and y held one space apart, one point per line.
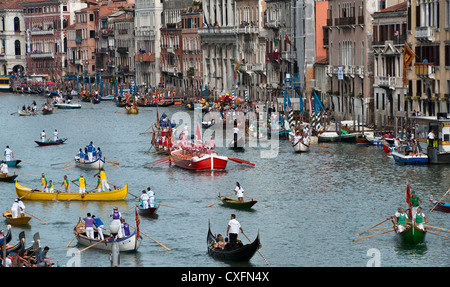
425 70
247 30
424 33
347 21
42 32
170 50
258 68
288 56
122 50
359 71
144 57
388 82
42 55
212 31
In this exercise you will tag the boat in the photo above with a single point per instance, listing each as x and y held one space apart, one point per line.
208 161
18 247
240 254
29 194
387 147
13 163
133 111
329 136
301 147
441 206
234 203
8 177
47 109
407 155
21 220
95 101
67 106
8 236
106 98
362 140
126 244
412 234
51 142
147 211
26 113
96 164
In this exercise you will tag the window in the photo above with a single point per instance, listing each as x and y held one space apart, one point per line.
91 17
17 48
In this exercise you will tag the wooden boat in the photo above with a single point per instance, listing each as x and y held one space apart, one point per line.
67 106
18 247
301 147
329 137
28 194
234 203
13 163
412 235
240 254
205 162
95 101
47 110
26 113
51 142
8 177
362 140
147 211
96 164
8 236
133 111
106 98
126 244
21 220
441 206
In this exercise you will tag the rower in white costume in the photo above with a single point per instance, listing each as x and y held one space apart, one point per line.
239 191
8 153
43 136
144 198
55 135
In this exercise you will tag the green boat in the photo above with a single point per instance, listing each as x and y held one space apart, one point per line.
412 235
234 203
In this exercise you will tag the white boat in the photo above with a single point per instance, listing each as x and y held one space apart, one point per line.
106 98
96 164
301 147
26 113
328 137
67 106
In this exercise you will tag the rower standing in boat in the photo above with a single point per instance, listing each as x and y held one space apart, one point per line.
144 199
89 225
420 219
21 207
8 153
116 220
15 209
82 183
103 180
401 219
233 230
99 224
50 186
297 138
90 150
4 168
43 136
239 191
415 201
66 184
44 183
55 135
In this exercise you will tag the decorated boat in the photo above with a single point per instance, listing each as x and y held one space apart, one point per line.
128 243
51 142
235 203
239 254
203 162
67 106
96 164
8 235
20 220
8 177
30 194
133 111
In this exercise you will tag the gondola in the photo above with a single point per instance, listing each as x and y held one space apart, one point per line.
234 203
19 246
21 220
8 236
8 177
240 254
51 142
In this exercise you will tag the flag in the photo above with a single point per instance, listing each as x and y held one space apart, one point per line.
317 104
138 221
275 41
408 196
157 117
408 57
288 41
205 21
236 68
198 132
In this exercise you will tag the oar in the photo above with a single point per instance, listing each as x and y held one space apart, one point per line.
69 167
35 217
92 245
354 240
437 228
439 201
27 162
72 239
238 160
438 234
26 194
258 250
165 247
256 200
322 146
220 200
376 225
61 163
75 197
26 173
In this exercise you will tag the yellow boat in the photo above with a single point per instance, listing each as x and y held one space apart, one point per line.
133 111
21 220
29 194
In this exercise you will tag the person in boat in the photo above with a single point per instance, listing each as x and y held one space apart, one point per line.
44 183
125 228
420 219
144 198
98 223
220 242
90 149
103 180
152 200
99 153
80 156
24 108
116 217
233 230
239 191
50 186
55 135
150 191
400 219
99 183
66 184
86 156
211 144
43 136
89 225
8 153
82 183
415 202
297 138
4 168
15 209
43 260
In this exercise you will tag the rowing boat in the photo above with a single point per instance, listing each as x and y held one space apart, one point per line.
8 177
29 194
68 106
234 203
301 147
8 236
51 142
412 235
133 111
205 162
13 163
244 253
96 164
26 113
126 244
21 220
147 211
441 206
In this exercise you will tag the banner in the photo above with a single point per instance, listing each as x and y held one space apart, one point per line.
408 57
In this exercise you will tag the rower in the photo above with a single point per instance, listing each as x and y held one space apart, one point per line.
103 180
44 183
239 191
144 199
15 209
66 184
8 153
152 200
90 149
43 136
400 219
4 168
82 183
116 222
55 135
420 218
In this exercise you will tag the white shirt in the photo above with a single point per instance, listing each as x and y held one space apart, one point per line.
144 197
8 151
234 226
240 191
431 135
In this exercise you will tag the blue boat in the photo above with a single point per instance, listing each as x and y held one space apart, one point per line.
409 155
13 163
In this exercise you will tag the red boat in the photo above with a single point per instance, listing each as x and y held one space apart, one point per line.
387 148
441 206
207 161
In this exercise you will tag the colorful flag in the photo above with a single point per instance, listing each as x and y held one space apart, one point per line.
288 41
138 221
236 68
408 57
275 41
198 132
408 196
204 21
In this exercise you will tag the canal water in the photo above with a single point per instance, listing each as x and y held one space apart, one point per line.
312 205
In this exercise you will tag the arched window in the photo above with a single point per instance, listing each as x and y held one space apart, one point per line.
17 48
16 24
